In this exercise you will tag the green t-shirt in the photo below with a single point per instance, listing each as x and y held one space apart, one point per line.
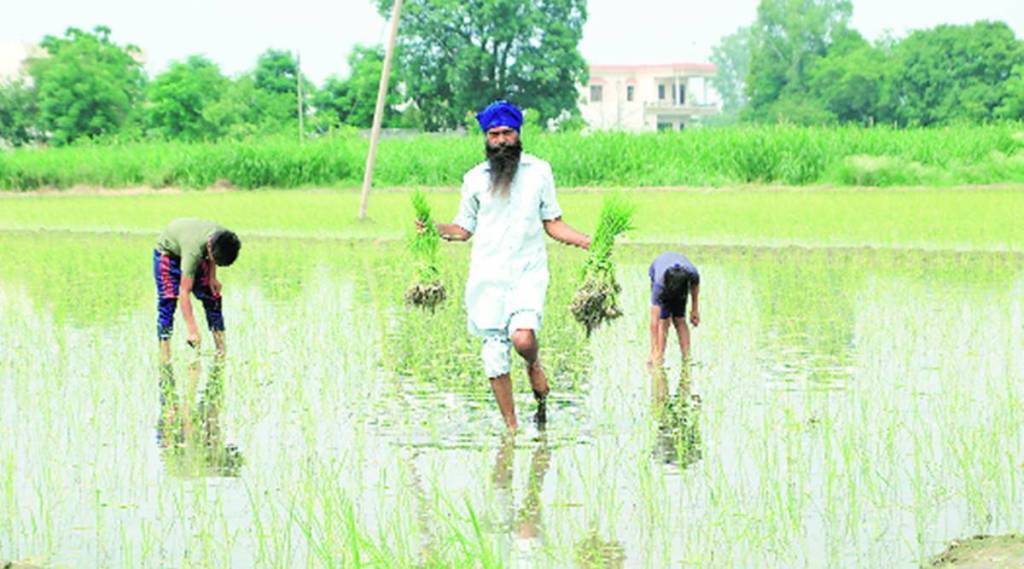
186 238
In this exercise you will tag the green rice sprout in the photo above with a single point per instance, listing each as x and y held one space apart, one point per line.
427 290
597 299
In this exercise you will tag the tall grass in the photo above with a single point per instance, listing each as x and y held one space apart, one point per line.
698 157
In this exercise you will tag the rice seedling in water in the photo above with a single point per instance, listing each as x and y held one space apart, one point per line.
597 299
427 290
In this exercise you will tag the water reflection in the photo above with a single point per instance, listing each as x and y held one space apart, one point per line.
189 431
807 309
524 522
596 552
676 416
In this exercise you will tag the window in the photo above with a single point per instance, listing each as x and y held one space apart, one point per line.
661 92
595 93
682 94
629 93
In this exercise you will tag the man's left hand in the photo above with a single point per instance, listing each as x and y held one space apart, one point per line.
695 318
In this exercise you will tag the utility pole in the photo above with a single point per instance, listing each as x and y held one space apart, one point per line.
298 90
378 112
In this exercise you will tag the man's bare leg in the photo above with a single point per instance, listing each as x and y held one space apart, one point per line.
502 388
659 337
683 331
525 342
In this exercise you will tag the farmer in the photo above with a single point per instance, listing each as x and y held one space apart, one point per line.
673 277
508 203
185 263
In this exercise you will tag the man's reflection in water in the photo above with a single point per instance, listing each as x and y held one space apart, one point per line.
676 418
189 433
525 522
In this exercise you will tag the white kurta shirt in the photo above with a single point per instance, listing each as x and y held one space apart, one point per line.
508 271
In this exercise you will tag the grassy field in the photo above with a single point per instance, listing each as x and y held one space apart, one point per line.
854 401
964 218
699 157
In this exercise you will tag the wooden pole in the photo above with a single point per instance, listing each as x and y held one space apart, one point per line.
382 91
298 90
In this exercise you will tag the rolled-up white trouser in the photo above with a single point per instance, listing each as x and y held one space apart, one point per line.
497 343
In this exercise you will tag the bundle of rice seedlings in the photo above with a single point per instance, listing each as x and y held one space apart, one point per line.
597 299
427 290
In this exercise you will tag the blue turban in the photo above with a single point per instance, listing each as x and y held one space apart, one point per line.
500 113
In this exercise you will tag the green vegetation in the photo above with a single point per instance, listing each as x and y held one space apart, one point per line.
947 219
837 393
427 290
596 301
87 86
801 62
794 62
704 157
455 57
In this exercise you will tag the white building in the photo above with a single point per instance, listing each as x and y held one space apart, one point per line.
13 56
668 96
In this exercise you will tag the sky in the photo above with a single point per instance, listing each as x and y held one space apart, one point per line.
234 32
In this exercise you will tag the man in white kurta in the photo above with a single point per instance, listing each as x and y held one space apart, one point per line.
508 274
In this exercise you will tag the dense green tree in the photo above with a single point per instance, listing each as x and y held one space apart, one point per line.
245 110
179 97
18 113
956 72
352 100
457 56
732 58
1013 103
86 85
275 73
786 40
854 81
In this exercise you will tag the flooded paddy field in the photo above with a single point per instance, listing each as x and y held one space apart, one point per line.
845 408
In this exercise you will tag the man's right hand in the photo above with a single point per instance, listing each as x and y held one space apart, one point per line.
420 226
194 339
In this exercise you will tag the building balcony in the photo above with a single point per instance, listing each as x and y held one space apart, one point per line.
687 108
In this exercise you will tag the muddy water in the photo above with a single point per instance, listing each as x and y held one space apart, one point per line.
845 408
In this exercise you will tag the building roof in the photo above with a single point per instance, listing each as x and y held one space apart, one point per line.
656 67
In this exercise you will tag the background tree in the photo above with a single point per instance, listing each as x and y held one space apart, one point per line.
18 113
786 40
854 81
732 58
456 56
1013 104
246 110
179 97
956 72
352 100
87 86
275 73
